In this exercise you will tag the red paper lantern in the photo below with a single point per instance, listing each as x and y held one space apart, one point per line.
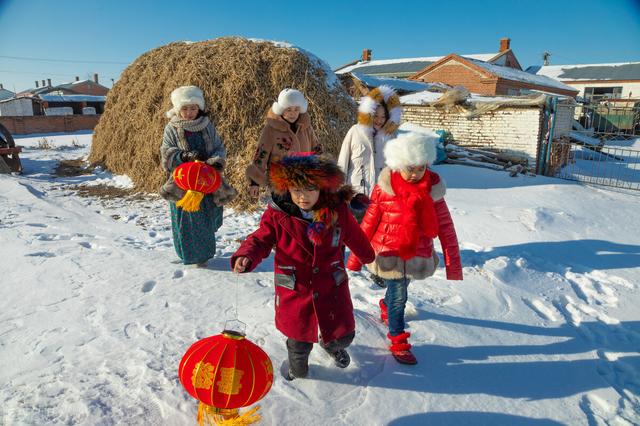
197 178
225 372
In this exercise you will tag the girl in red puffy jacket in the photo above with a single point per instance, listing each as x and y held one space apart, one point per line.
308 222
406 213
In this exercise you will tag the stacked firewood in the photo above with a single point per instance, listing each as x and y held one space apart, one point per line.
510 163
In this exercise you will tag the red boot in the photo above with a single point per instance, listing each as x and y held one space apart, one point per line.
401 349
384 312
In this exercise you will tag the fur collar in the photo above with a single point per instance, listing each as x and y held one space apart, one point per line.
279 123
438 190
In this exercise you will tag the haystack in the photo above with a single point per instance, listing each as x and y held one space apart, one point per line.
240 78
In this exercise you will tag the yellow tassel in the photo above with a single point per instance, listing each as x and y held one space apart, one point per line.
191 201
212 416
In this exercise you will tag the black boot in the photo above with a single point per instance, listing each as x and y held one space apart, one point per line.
337 349
298 359
341 358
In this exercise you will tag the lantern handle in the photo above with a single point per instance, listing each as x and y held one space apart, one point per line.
236 326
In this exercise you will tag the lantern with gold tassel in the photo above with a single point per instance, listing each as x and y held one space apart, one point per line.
198 179
226 372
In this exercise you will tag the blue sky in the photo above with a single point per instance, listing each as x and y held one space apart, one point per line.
84 37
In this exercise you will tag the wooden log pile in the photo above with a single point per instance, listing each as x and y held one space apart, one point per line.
510 163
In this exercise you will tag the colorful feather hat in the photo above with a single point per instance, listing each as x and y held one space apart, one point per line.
305 170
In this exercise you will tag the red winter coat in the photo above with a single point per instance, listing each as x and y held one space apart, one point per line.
311 284
381 222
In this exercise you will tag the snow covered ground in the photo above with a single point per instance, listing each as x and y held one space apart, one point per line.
96 312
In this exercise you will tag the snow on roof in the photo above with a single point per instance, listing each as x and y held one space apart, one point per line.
396 83
523 76
422 98
73 98
420 63
613 71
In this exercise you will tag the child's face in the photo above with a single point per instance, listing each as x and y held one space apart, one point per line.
189 112
379 118
305 198
291 114
413 174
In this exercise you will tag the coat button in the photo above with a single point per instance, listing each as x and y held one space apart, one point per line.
315 270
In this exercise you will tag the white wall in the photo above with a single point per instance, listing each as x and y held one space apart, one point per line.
513 130
627 88
19 107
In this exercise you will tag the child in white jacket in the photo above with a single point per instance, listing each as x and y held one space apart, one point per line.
361 155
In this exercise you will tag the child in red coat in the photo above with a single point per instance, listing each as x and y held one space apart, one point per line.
407 211
308 222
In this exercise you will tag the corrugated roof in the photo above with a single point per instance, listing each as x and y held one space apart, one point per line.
73 98
6 94
615 71
395 83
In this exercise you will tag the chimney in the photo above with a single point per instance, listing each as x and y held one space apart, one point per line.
43 83
95 77
366 55
49 82
77 78
504 44
37 84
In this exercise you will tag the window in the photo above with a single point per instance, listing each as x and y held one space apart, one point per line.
596 94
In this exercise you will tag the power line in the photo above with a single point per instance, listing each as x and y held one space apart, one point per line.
23 58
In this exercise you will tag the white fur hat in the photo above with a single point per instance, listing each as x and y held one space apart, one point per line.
411 149
289 98
186 95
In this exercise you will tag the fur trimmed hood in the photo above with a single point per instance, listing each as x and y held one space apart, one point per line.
185 95
411 149
290 98
382 95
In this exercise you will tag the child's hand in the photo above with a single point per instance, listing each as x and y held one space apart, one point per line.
241 265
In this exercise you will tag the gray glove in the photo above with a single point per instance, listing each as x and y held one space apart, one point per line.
189 156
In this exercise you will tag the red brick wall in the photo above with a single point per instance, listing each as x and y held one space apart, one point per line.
456 74
49 124
87 88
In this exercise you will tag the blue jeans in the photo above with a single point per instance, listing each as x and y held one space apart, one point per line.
396 298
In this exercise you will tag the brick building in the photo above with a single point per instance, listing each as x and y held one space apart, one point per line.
489 79
402 68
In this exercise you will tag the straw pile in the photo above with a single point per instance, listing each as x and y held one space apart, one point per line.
240 79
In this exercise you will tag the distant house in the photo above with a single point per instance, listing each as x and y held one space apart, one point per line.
406 67
596 82
77 87
489 79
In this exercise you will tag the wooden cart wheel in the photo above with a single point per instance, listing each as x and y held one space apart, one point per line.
6 140
9 160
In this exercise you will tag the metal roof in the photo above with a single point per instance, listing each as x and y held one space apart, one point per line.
619 71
